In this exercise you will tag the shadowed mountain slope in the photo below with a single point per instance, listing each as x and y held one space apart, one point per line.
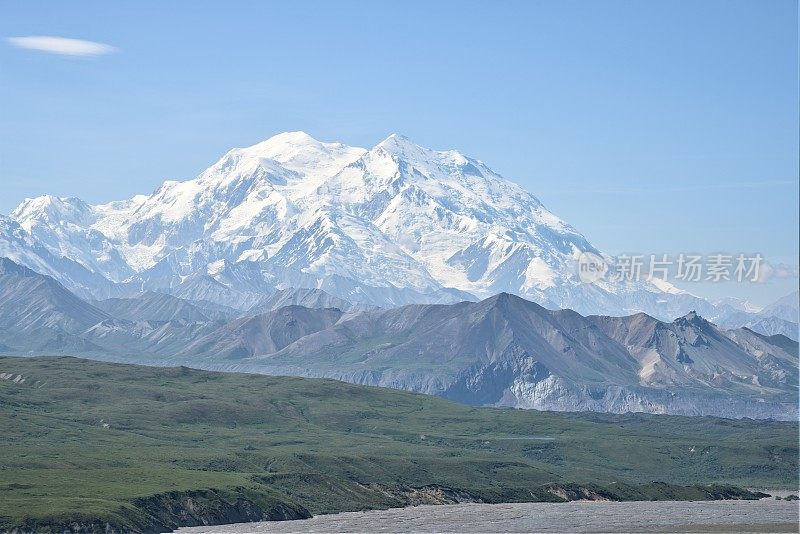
502 351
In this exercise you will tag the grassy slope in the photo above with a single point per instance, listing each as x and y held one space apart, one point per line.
326 445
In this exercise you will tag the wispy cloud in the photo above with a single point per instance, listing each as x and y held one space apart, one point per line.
61 45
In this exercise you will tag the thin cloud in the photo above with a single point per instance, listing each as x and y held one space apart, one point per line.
61 45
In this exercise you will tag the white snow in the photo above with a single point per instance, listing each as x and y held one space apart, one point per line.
397 216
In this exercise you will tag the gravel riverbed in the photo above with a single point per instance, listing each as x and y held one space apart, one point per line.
766 515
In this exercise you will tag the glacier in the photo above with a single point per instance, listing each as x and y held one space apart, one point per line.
386 226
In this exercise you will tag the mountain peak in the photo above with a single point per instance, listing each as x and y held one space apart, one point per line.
282 144
395 138
692 318
289 139
53 208
289 143
299 152
399 223
505 300
297 136
403 147
44 201
400 145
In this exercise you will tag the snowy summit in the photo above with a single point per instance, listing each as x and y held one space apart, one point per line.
394 224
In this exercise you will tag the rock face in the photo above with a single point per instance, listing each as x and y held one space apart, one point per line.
502 351
264 333
169 511
392 225
153 307
395 266
40 312
506 351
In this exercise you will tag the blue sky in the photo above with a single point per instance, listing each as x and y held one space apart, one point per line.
653 127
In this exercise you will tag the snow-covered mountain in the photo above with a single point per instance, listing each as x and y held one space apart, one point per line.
779 317
786 308
391 225
18 245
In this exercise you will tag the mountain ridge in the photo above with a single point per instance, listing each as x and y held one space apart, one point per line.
502 351
391 225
